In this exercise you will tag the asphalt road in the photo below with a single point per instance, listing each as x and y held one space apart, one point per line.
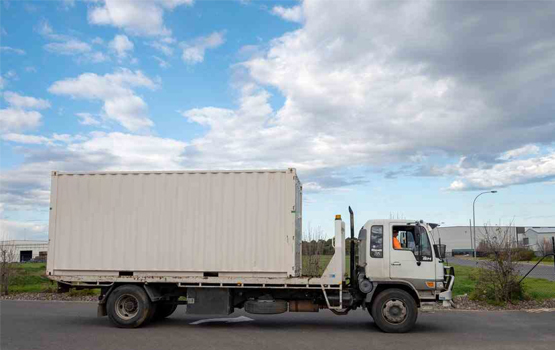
73 325
541 271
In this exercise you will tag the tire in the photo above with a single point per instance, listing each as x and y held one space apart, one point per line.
163 311
129 306
394 311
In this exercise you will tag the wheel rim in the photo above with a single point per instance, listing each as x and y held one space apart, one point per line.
127 306
394 311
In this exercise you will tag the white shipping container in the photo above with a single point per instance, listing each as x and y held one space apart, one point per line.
180 223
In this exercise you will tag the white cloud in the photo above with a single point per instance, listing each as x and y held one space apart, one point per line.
115 90
2 83
13 119
16 117
135 17
162 47
25 139
70 47
12 50
39 139
132 152
97 41
27 187
513 172
96 57
67 45
121 45
11 74
292 14
522 151
193 52
12 229
87 119
162 63
410 86
30 69
25 102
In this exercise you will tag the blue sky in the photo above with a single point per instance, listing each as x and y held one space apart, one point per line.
403 109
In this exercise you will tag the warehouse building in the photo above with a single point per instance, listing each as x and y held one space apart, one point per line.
538 239
458 238
23 251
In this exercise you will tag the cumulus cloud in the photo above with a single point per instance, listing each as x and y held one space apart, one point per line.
292 14
18 116
512 172
27 187
13 119
87 119
193 52
12 50
25 139
70 47
454 79
522 151
144 18
121 104
163 46
25 102
67 45
121 45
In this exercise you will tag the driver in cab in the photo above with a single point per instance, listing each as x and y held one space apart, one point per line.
396 243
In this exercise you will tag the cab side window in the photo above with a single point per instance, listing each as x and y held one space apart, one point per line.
405 238
376 241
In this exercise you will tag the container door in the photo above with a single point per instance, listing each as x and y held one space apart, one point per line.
403 252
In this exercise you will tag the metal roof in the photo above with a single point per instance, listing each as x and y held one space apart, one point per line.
542 229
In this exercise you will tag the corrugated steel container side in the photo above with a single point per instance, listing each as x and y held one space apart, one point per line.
211 221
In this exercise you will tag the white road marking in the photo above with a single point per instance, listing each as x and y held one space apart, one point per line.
224 320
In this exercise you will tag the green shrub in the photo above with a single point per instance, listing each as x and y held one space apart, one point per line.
525 254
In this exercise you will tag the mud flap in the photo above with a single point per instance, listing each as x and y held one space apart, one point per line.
101 310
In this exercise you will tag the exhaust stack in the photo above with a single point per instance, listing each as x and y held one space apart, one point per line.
352 278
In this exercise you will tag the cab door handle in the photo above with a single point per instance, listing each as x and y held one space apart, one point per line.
396 263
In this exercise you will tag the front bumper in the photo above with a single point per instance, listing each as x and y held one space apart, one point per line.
447 295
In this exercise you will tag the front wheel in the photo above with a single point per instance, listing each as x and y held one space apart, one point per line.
129 306
394 311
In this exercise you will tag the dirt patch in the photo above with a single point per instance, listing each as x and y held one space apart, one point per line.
49 297
463 302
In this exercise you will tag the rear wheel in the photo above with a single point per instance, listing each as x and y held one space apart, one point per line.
128 306
394 311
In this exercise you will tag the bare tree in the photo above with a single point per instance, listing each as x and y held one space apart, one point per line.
313 251
498 281
7 259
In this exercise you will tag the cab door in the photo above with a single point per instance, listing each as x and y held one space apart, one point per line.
414 262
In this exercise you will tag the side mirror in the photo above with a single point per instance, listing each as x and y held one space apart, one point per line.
439 249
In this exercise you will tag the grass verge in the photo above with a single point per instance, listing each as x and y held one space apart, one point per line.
535 288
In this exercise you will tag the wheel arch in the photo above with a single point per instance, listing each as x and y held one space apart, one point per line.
381 286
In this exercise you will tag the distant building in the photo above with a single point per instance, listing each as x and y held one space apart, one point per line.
458 238
537 238
23 251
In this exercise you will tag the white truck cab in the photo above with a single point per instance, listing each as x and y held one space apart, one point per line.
403 252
